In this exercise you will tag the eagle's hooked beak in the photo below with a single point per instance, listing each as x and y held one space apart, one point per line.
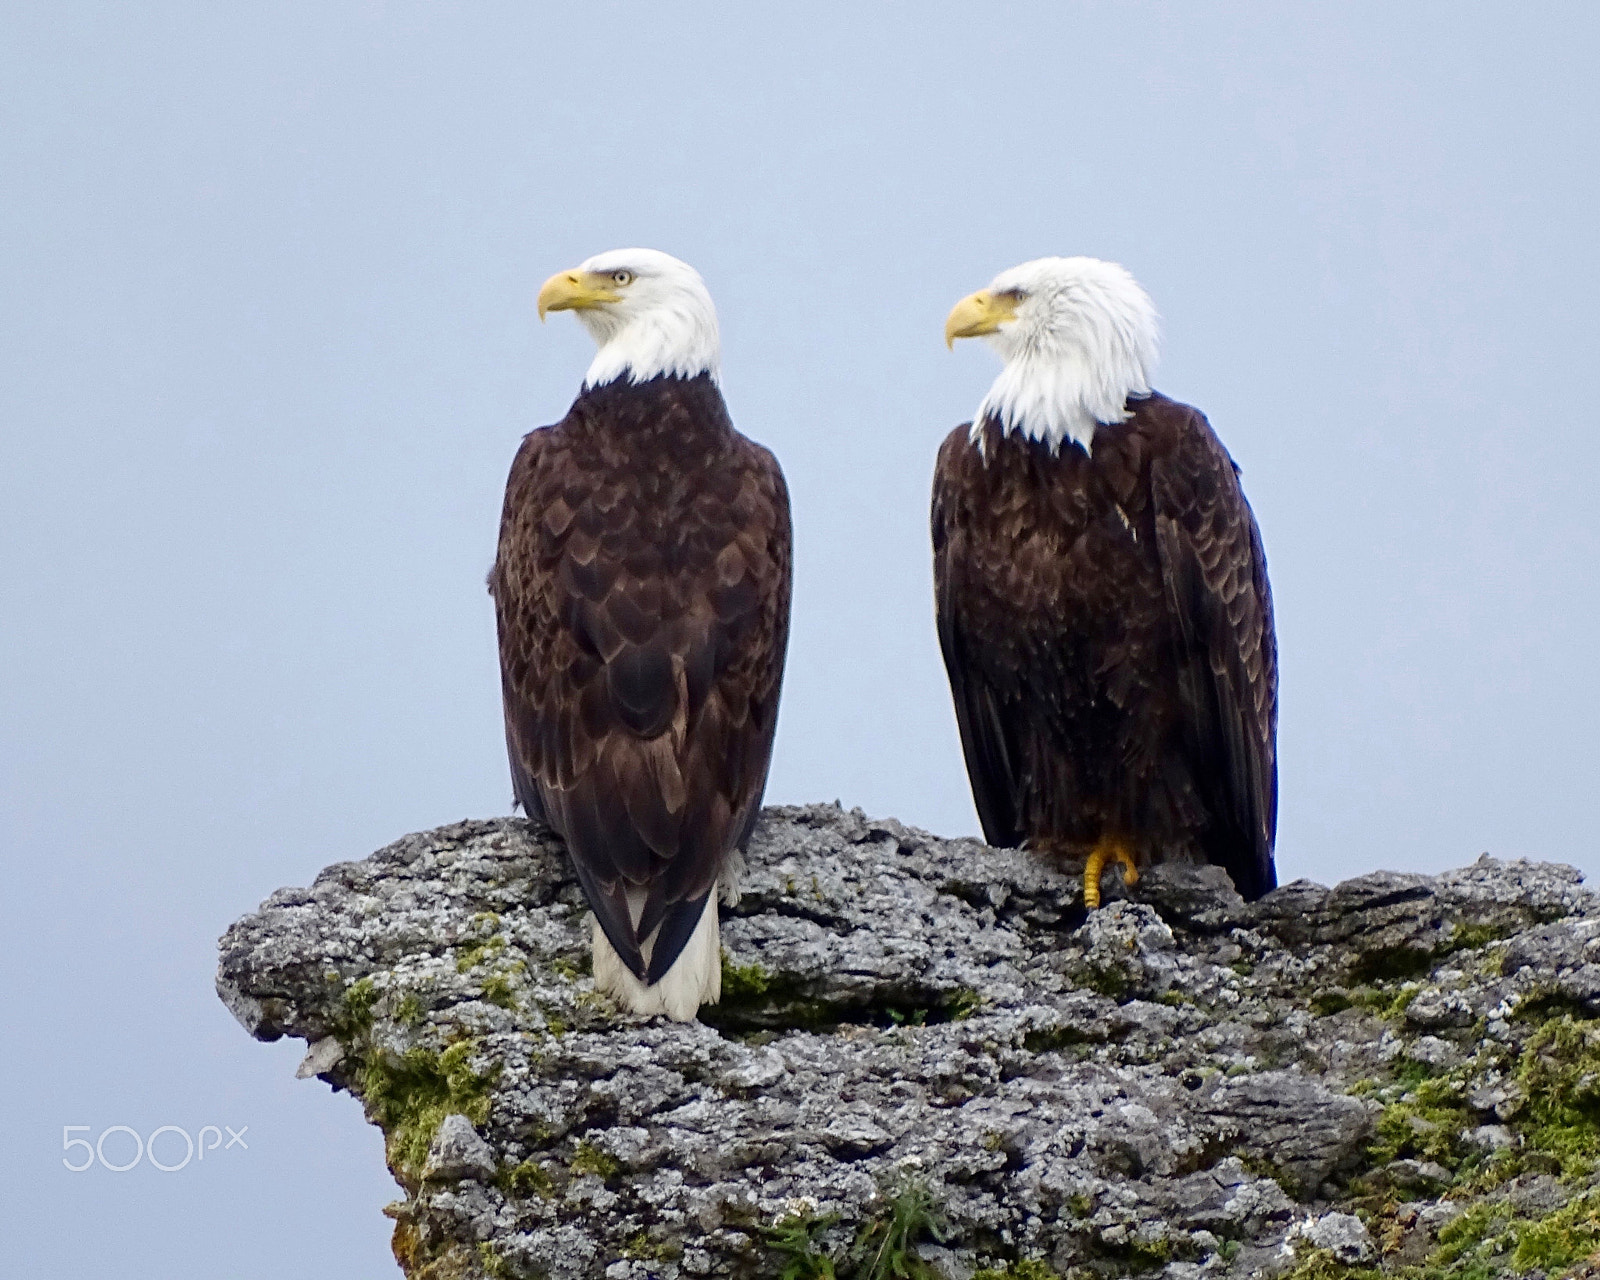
576 291
977 314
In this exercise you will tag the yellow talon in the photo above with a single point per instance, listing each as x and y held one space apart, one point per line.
1107 850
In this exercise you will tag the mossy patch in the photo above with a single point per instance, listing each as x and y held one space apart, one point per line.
354 1017
1426 1124
1559 1074
1106 980
480 953
743 983
1331 1000
642 1247
499 988
1389 963
408 1096
526 1179
1566 1236
492 1263
1021 1269
409 1012
755 999
570 968
588 1158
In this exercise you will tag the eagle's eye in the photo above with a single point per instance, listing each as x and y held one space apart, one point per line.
1012 296
622 279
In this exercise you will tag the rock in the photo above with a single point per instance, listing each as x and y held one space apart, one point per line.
930 1037
320 1058
1490 1137
458 1152
1341 1234
1538 1193
1419 1175
1437 1010
1433 1052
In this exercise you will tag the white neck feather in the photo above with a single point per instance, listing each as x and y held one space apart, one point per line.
1082 342
1051 399
676 335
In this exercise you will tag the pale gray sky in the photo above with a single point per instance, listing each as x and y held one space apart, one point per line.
267 343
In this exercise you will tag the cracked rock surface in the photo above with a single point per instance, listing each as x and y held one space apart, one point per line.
932 1033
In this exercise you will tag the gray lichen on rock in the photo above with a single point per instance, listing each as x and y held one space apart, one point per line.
928 1061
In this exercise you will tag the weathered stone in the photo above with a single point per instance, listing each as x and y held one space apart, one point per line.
1341 1234
458 1152
912 1021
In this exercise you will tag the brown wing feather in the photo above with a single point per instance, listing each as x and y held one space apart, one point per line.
642 595
1215 574
984 717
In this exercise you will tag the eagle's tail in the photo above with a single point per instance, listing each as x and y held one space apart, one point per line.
694 979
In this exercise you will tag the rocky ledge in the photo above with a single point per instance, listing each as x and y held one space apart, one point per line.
929 1062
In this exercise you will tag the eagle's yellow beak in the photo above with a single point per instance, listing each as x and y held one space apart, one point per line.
576 291
977 314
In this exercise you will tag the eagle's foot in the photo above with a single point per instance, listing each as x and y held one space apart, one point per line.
1108 850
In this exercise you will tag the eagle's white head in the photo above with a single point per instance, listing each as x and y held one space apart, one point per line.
1078 336
649 313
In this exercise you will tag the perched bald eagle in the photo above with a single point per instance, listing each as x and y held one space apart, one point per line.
1102 594
641 592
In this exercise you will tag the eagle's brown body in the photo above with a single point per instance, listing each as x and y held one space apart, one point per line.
1107 628
642 596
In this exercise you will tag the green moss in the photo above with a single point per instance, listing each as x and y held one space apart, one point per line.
480 953
493 1264
1559 1074
1261 1167
1107 980
1388 963
526 1179
497 987
570 969
642 1247
1469 937
1566 1236
588 1158
1330 1001
409 1011
408 1096
1388 1004
1470 1245
962 1004
1176 998
1021 1269
743 983
1426 1124
1080 1205
1047 1039
596 1002
354 1018
1320 1264
885 1247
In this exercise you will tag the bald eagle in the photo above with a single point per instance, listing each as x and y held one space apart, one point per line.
641 593
1103 607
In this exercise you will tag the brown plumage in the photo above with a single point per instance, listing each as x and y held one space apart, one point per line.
1107 628
642 596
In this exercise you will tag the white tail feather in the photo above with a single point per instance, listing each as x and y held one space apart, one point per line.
694 979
